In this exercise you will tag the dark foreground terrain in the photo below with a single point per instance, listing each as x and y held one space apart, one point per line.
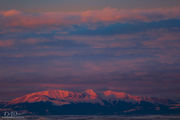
157 117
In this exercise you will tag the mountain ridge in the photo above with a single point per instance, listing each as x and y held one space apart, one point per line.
88 95
89 102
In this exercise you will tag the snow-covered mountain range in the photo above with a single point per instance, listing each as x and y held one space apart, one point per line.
90 102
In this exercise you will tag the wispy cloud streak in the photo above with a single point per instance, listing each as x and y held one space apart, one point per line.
14 18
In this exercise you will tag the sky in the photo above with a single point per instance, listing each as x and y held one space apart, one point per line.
124 45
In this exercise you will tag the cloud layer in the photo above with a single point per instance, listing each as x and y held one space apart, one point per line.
14 18
135 51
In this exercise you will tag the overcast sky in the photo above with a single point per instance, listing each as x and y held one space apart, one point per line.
124 45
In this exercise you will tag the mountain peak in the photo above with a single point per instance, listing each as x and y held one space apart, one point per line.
57 96
91 93
116 94
89 90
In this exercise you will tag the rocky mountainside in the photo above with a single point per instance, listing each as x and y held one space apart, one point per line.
90 102
61 97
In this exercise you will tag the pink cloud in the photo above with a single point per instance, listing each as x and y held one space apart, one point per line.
34 40
10 13
45 53
17 18
114 41
121 66
6 43
162 39
63 86
167 43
